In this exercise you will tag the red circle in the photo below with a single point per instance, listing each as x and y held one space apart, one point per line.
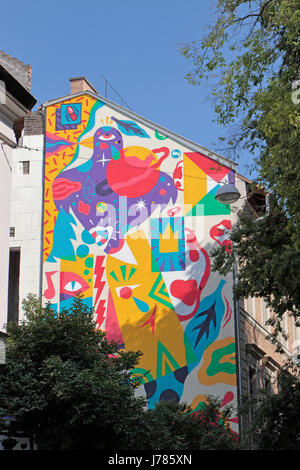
125 292
194 255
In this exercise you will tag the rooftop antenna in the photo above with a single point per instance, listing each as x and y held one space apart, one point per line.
108 84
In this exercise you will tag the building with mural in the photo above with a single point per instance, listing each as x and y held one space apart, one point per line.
123 212
130 217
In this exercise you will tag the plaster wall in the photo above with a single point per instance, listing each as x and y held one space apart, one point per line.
26 214
5 188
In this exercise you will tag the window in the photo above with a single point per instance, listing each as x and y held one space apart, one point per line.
24 167
253 382
13 285
267 381
12 231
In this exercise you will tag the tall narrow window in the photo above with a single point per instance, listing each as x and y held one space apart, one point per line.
252 380
13 285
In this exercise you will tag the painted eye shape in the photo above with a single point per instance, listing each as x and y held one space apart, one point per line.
107 136
125 292
73 286
72 283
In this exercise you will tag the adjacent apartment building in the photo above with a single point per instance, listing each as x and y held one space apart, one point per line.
107 204
16 102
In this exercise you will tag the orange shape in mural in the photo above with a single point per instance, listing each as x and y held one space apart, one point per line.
219 363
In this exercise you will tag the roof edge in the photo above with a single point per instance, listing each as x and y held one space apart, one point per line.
17 90
178 138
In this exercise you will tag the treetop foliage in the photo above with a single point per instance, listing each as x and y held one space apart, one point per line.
71 389
251 58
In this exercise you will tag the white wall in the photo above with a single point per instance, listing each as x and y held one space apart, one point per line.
26 214
5 186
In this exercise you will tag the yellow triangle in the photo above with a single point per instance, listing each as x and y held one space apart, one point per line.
89 142
195 183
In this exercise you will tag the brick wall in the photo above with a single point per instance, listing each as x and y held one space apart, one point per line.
33 124
80 84
259 359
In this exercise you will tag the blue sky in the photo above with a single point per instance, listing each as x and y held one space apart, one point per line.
133 43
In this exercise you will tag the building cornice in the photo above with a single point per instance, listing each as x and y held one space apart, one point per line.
16 90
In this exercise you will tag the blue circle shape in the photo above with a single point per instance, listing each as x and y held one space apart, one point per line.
87 238
82 251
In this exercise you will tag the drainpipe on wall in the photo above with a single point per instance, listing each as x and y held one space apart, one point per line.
238 342
43 115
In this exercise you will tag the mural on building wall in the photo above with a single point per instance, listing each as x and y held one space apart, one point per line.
130 217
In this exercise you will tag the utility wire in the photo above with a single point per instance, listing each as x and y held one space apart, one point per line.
6 157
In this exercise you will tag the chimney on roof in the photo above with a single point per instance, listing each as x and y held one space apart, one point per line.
80 84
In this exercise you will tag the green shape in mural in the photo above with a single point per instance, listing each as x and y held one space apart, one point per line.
141 375
160 136
132 271
217 365
113 274
208 205
190 354
159 292
123 271
165 361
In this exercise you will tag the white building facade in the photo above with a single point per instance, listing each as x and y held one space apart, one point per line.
15 103
26 215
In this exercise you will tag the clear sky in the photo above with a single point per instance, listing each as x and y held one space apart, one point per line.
133 43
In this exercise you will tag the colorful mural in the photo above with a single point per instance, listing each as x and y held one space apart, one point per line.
130 218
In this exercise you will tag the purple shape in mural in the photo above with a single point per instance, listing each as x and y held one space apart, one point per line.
84 190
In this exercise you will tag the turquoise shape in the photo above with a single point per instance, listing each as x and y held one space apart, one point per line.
82 251
87 238
141 305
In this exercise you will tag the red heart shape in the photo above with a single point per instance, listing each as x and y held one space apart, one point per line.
186 291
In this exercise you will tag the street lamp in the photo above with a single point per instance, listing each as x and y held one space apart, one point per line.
227 194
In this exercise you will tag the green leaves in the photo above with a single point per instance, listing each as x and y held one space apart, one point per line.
269 264
71 390
175 427
64 382
253 50
276 416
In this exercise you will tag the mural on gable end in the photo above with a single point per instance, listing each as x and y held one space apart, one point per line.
130 218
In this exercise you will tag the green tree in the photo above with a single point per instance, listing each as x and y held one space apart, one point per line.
66 385
70 389
251 57
175 427
276 417
269 265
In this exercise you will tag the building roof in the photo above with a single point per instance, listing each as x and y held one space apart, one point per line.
162 130
20 71
14 88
